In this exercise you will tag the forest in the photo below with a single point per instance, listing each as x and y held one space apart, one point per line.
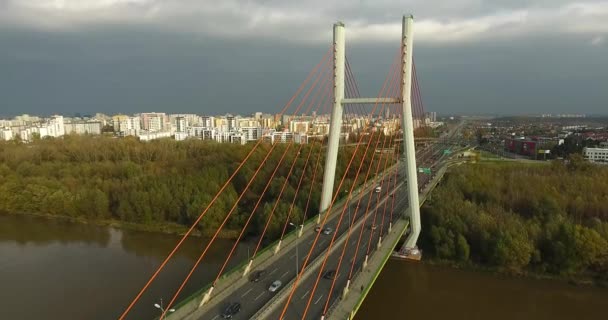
162 182
549 219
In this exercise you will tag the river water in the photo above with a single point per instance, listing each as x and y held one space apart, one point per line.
52 269
408 290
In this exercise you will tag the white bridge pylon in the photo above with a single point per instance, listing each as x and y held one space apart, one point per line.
407 123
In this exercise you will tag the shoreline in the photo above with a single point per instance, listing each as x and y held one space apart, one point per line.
179 230
162 228
573 280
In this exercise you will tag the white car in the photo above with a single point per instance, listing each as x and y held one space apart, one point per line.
328 230
275 286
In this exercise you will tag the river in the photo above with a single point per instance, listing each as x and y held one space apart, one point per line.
53 269
421 291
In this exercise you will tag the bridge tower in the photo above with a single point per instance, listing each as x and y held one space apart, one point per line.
409 155
407 124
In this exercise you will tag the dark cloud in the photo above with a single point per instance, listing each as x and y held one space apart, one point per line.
501 56
134 70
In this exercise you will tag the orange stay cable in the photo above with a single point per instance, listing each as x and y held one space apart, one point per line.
329 210
390 176
255 208
217 195
371 234
295 196
338 226
379 134
232 209
270 215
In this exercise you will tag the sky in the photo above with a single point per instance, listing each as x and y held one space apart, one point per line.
238 56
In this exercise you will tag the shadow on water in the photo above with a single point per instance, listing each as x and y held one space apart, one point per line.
24 229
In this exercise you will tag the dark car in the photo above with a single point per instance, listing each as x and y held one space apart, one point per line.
257 275
231 310
330 274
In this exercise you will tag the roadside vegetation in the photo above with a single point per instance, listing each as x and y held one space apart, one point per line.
160 185
522 219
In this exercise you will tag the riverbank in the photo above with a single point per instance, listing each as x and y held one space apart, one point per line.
164 228
574 280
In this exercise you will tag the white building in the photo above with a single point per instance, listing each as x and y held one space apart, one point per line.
83 127
298 126
237 138
147 135
207 121
55 127
180 136
251 133
180 124
125 125
597 155
153 121
6 134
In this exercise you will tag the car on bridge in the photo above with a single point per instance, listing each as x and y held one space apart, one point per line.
328 230
318 229
275 286
330 274
231 310
257 275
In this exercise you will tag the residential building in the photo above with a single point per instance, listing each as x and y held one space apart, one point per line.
153 121
6 134
598 155
83 127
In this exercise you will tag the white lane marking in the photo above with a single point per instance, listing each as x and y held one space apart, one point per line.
284 274
244 294
319 299
293 256
215 317
261 294
304 296
273 271
353 242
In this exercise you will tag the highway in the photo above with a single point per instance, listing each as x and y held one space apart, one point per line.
316 309
317 304
254 295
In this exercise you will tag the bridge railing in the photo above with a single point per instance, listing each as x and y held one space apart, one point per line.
190 304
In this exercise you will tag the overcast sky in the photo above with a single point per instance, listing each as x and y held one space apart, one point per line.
218 56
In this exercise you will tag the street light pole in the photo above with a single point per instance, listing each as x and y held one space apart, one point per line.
160 307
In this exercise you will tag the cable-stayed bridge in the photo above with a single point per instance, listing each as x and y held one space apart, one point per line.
331 244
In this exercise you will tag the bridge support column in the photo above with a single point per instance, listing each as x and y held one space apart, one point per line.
335 125
206 297
346 289
365 262
248 268
278 247
379 242
408 129
301 231
390 226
